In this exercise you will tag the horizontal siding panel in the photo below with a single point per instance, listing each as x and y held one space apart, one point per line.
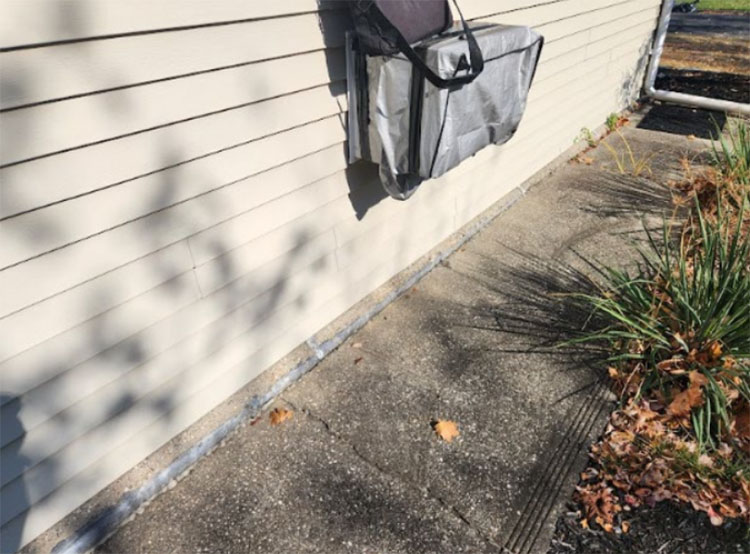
46 319
29 368
60 71
607 11
239 230
36 365
150 106
63 311
66 70
540 15
97 255
262 162
28 22
589 65
180 221
81 171
583 39
32 22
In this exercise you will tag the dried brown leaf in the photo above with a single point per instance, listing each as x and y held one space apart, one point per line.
446 429
685 401
715 517
715 350
279 416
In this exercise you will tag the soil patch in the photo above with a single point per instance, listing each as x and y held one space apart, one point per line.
707 53
725 86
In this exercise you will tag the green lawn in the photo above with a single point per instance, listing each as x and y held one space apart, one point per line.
743 5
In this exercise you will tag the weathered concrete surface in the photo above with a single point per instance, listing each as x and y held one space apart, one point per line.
359 469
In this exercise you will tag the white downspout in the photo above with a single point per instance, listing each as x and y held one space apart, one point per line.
679 97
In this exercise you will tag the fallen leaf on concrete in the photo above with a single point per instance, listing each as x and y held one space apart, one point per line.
446 429
279 415
357 360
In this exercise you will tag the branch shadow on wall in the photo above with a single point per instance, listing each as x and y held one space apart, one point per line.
114 366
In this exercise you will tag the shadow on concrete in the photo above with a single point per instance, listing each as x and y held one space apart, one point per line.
679 120
538 310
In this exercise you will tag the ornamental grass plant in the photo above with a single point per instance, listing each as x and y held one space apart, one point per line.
677 328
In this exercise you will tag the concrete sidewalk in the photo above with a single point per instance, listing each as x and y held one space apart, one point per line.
359 469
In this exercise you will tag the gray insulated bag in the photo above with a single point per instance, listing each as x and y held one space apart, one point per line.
417 118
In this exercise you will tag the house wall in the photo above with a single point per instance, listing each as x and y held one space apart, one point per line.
177 212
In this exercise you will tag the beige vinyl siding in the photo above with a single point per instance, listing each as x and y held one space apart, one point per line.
177 212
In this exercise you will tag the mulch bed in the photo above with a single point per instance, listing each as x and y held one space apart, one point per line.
707 65
667 528
725 86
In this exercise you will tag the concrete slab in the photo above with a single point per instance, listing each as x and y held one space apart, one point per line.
359 468
293 488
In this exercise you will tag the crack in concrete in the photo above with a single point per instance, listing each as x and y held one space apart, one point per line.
427 492
458 514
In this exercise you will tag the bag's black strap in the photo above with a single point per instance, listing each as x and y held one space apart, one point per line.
475 53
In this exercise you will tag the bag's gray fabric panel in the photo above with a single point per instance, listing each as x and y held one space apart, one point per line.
456 122
486 111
